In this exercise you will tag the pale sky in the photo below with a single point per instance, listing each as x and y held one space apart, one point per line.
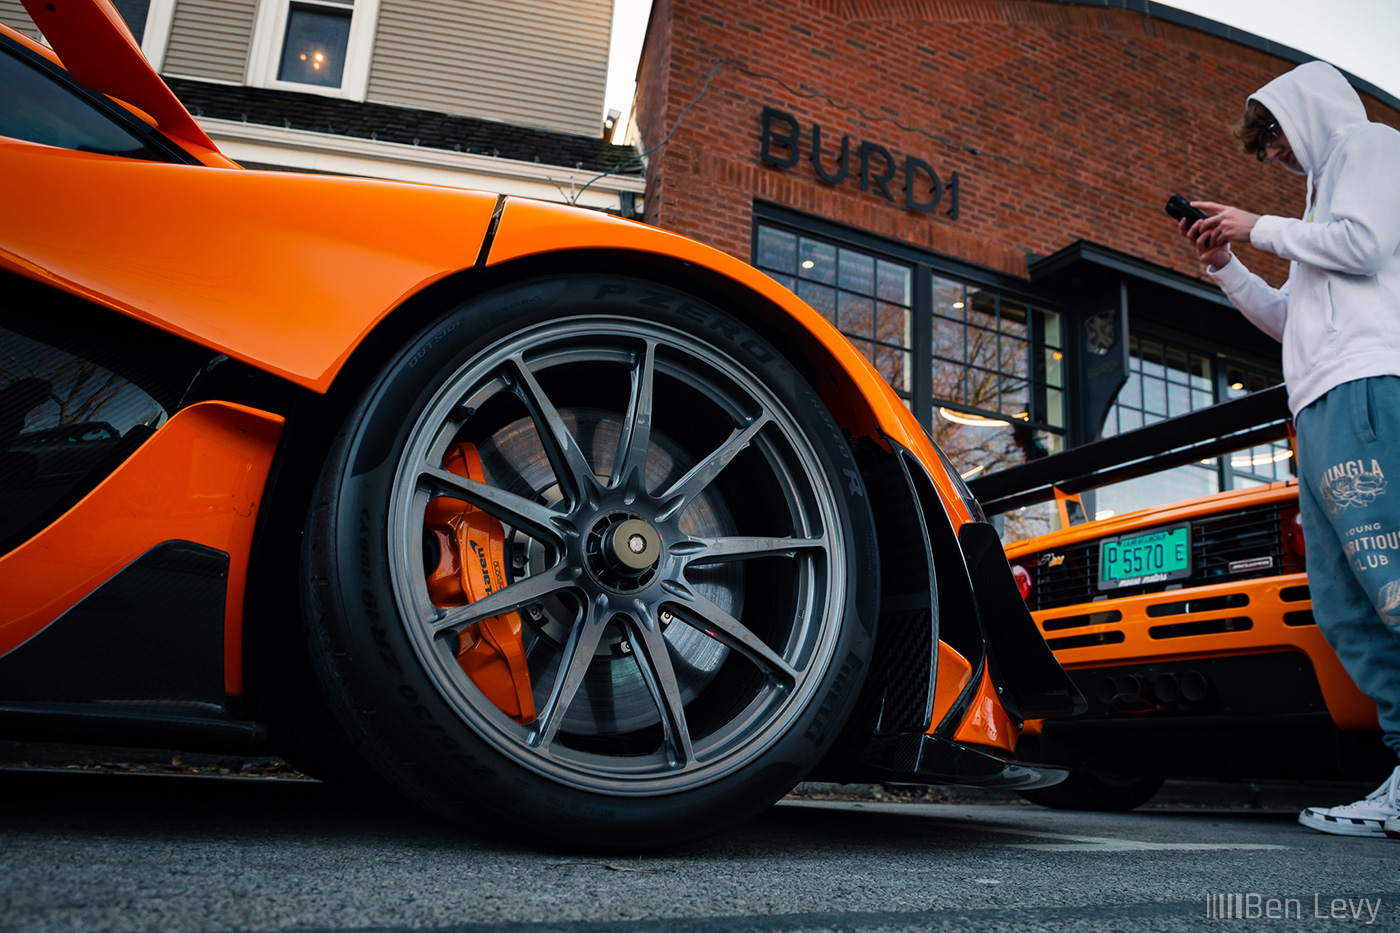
1360 36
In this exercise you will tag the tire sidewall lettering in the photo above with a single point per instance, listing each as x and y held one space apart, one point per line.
725 327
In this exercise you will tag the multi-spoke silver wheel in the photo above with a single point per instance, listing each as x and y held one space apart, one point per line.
628 568
615 550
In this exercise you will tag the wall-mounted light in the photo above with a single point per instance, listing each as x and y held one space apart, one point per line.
807 264
975 421
958 305
1260 459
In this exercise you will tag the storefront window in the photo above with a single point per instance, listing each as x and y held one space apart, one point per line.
867 298
1166 382
994 391
1259 466
998 386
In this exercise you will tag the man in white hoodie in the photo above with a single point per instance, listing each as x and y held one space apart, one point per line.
1338 316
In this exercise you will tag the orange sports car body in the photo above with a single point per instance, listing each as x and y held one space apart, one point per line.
564 525
1189 629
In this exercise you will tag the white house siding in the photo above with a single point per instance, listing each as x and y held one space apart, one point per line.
539 63
209 39
13 14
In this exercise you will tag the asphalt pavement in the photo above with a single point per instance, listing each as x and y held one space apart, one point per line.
87 849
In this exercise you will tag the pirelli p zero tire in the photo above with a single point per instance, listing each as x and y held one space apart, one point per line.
591 564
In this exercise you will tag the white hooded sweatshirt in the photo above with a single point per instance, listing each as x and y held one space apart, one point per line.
1338 314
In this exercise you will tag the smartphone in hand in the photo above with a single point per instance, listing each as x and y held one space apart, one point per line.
1181 209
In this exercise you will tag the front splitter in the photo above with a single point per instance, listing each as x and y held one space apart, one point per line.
919 758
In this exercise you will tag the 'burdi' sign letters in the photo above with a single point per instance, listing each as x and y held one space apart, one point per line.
875 166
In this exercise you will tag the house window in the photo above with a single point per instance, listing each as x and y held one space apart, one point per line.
315 43
134 13
320 46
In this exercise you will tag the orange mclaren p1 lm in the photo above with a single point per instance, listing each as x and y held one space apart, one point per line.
563 525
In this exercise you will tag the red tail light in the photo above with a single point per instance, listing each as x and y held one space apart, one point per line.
1023 580
1293 535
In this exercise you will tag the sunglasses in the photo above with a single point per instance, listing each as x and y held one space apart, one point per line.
1268 140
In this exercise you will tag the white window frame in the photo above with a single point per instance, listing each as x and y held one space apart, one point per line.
270 29
159 17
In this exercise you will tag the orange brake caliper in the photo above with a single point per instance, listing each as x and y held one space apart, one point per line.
471 565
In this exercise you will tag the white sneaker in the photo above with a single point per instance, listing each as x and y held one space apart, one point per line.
1367 817
1392 828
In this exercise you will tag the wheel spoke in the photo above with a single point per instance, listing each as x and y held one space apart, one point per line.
717 550
527 515
700 476
507 599
571 469
629 472
583 641
654 659
723 627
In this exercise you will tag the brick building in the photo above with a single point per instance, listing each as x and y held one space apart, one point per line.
972 191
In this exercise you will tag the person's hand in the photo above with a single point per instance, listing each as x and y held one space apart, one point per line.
1212 256
1224 226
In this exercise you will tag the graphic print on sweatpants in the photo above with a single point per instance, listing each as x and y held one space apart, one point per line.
1348 454
1348 489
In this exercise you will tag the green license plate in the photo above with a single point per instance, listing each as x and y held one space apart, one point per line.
1152 557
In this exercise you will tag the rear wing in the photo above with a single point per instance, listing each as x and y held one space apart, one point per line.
100 53
1258 418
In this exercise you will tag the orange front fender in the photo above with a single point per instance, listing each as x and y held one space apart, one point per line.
287 273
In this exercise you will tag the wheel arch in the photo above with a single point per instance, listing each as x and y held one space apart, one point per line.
857 397
861 402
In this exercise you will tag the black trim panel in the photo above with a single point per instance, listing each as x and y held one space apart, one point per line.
187 726
1289 745
154 632
898 695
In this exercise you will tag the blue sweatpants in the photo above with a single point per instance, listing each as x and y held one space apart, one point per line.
1349 497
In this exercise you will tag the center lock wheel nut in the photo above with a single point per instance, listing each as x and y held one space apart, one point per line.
633 545
624 552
